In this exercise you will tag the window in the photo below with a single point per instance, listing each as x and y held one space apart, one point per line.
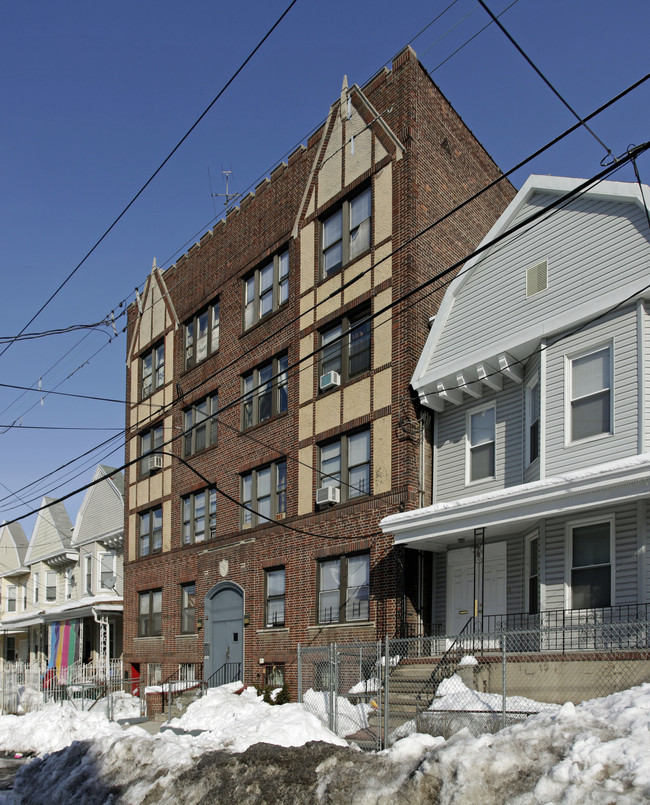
345 465
50 585
150 531
264 494
345 347
481 444
591 392
108 577
591 569
265 392
154 673
275 597
188 608
35 588
532 421
194 516
11 598
273 675
150 441
533 575
150 613
152 370
266 289
346 233
89 574
344 589
200 425
202 335
68 580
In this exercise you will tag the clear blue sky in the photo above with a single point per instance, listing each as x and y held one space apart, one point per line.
95 95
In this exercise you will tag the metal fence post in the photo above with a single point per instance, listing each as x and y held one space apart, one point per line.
299 675
330 709
503 675
386 696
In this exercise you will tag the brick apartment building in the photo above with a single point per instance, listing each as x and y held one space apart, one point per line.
268 377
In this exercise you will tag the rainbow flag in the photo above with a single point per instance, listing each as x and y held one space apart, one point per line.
64 642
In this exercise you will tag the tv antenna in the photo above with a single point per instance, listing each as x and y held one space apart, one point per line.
227 195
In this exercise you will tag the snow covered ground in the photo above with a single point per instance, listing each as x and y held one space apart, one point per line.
597 752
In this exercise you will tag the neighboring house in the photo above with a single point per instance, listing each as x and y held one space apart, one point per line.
270 423
66 582
536 371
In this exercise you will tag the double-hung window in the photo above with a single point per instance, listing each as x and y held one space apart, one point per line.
150 441
150 613
150 531
12 597
198 523
274 580
152 369
264 494
107 571
200 425
591 565
188 608
532 421
344 589
265 392
35 587
266 289
345 465
50 585
591 394
89 574
481 444
345 346
345 234
202 334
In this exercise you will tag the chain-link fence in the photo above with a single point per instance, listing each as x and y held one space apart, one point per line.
482 680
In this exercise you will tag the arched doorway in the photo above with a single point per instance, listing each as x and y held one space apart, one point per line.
224 633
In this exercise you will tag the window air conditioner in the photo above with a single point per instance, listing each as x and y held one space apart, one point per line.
155 462
328 494
329 380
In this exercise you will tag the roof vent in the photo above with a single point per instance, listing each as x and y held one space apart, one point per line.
536 278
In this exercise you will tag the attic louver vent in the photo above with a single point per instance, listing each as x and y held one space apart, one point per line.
536 279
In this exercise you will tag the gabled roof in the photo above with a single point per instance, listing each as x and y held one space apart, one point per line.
101 514
487 323
13 548
52 534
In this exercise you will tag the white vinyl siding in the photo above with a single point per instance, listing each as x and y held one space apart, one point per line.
533 371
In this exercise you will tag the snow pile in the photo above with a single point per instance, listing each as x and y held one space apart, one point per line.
453 694
371 685
350 717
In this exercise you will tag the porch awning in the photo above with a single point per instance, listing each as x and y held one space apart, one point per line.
20 625
519 508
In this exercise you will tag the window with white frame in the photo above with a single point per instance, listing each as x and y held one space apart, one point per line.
35 585
345 464
88 574
50 585
533 575
202 335
345 234
532 421
150 441
591 565
12 598
107 570
265 391
264 494
266 289
68 579
345 346
200 425
481 444
275 589
591 394
150 531
198 523
344 589
152 370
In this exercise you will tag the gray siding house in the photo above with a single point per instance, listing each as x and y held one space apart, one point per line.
536 371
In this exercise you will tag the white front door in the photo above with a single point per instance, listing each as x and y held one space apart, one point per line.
460 584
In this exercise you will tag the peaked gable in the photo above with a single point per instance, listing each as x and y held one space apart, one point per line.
13 547
52 532
156 313
102 510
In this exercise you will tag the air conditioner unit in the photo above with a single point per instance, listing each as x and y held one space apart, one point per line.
328 494
155 462
329 380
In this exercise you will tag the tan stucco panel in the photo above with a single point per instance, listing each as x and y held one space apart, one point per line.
382 332
358 148
159 311
135 380
383 212
329 176
142 493
145 329
382 389
311 206
325 305
381 469
305 480
356 399
383 263
167 525
360 286
307 310
380 151
307 249
328 412
156 486
306 384
132 537
305 422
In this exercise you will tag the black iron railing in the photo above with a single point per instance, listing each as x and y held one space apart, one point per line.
229 672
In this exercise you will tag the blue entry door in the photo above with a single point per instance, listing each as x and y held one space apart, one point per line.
225 632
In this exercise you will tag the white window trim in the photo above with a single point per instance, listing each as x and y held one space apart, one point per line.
568 551
468 454
533 535
35 587
113 557
530 385
88 571
568 392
